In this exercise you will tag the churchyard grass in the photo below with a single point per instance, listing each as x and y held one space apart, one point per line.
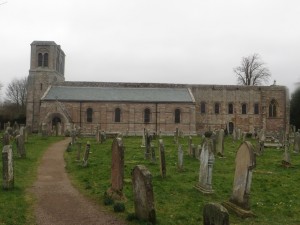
275 193
16 206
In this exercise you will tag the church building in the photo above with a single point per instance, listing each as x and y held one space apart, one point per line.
158 107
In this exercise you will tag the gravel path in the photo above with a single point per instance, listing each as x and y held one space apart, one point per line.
58 202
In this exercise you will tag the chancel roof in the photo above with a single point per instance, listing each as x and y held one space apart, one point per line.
64 93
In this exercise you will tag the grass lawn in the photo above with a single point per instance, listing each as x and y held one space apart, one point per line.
275 194
16 206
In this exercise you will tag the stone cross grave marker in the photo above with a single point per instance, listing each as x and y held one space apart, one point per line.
220 143
143 194
86 154
239 201
180 158
8 169
20 146
206 166
117 170
162 159
216 214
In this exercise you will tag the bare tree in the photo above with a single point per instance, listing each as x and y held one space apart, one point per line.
252 71
16 92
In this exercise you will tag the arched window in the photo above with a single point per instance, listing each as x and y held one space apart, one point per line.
45 60
202 107
89 115
217 108
230 108
273 108
177 115
117 115
147 115
244 108
256 108
40 59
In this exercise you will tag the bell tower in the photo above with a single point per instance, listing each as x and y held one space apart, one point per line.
47 66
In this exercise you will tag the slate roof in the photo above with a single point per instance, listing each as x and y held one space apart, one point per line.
63 93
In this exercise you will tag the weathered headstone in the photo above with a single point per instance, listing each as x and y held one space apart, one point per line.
215 214
117 170
86 155
220 143
143 194
153 157
8 169
20 146
190 142
198 152
148 145
261 142
206 166
44 130
6 139
144 138
16 126
297 142
239 201
162 159
286 159
234 135
180 157
73 136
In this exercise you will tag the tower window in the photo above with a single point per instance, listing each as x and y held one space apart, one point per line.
46 60
40 59
217 108
273 108
230 108
43 60
256 108
202 107
244 108
117 115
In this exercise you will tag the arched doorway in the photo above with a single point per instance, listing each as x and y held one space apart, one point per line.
55 121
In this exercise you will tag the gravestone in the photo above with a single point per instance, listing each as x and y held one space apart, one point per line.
239 201
8 169
6 139
144 139
20 146
215 214
180 158
190 141
286 159
102 137
220 143
198 152
297 142
73 136
234 135
117 170
162 159
86 155
153 157
16 127
176 135
143 194
261 142
206 166
148 145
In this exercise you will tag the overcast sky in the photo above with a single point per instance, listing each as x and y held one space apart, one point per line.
166 41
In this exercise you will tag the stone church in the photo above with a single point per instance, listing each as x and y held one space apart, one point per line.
131 107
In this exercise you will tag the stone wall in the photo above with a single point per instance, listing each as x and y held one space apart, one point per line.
162 116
